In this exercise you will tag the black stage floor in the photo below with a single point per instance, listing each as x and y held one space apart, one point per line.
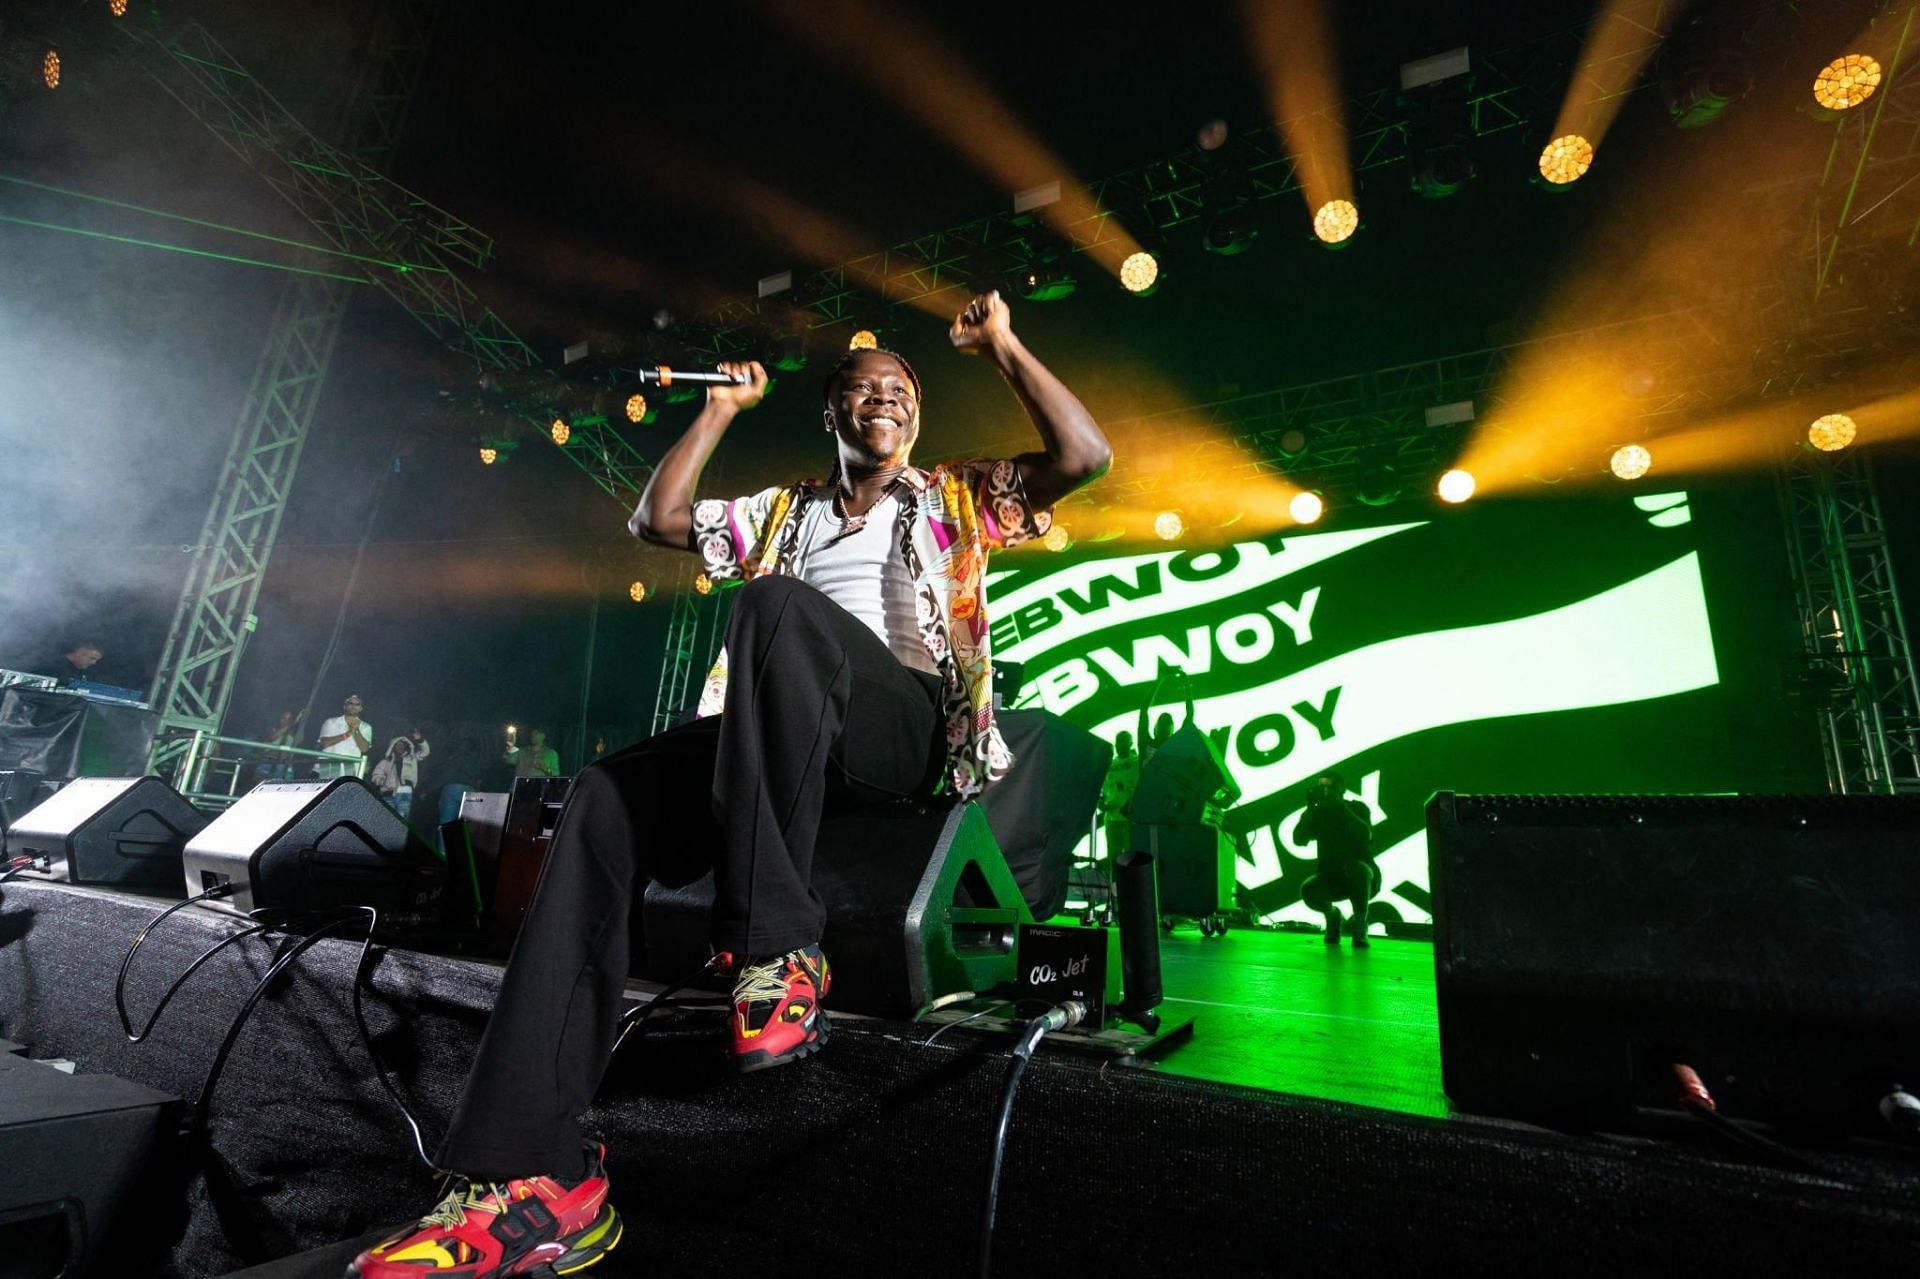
1302 1126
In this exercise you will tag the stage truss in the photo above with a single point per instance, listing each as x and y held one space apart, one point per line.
214 616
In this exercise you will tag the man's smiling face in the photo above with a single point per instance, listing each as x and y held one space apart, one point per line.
875 411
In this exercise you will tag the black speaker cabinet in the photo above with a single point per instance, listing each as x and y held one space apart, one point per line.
317 845
1197 866
75 1169
18 793
124 831
527 834
1180 777
919 904
1582 946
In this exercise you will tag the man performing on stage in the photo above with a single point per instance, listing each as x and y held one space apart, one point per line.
856 669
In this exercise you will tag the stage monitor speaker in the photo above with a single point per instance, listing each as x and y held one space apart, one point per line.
919 904
18 788
1197 865
123 831
485 813
317 845
79 1165
1180 777
1584 945
532 813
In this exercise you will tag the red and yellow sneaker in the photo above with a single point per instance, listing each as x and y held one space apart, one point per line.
776 1009
487 1229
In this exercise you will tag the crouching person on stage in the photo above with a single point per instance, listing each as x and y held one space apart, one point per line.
856 669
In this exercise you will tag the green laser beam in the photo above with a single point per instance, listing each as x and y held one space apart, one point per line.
216 226
181 248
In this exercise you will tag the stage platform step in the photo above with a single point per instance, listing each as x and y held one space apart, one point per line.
871 1156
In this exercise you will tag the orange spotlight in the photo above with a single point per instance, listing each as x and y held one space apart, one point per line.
1846 82
1336 222
1832 433
1631 461
50 70
1140 273
1306 507
1057 538
488 456
1294 51
1168 525
864 340
637 592
561 430
636 408
703 585
1566 159
1456 486
1620 40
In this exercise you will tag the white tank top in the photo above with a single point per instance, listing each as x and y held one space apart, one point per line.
865 573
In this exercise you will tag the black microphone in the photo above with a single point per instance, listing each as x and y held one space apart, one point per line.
664 376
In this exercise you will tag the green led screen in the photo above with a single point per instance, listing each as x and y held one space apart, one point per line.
1530 647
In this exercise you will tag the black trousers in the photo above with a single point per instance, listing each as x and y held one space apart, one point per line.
1352 881
819 714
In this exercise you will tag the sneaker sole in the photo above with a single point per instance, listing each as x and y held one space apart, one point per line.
594 1243
747 1063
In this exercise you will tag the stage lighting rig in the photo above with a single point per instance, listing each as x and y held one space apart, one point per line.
1456 486
1565 161
637 592
1045 280
496 448
1306 507
1441 169
789 354
1335 222
1832 433
636 408
561 431
1440 124
1230 229
1226 202
1631 461
1379 484
1847 81
50 69
1140 274
118 8
1699 86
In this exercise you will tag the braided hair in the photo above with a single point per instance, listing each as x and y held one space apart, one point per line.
846 363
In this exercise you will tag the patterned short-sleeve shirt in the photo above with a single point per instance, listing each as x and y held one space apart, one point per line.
959 511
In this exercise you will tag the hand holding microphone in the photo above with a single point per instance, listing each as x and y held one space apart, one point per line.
739 385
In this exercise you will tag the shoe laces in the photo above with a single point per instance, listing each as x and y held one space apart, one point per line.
487 1196
760 983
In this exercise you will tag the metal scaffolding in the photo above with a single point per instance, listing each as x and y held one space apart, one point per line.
214 616
411 250
1859 681
694 631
